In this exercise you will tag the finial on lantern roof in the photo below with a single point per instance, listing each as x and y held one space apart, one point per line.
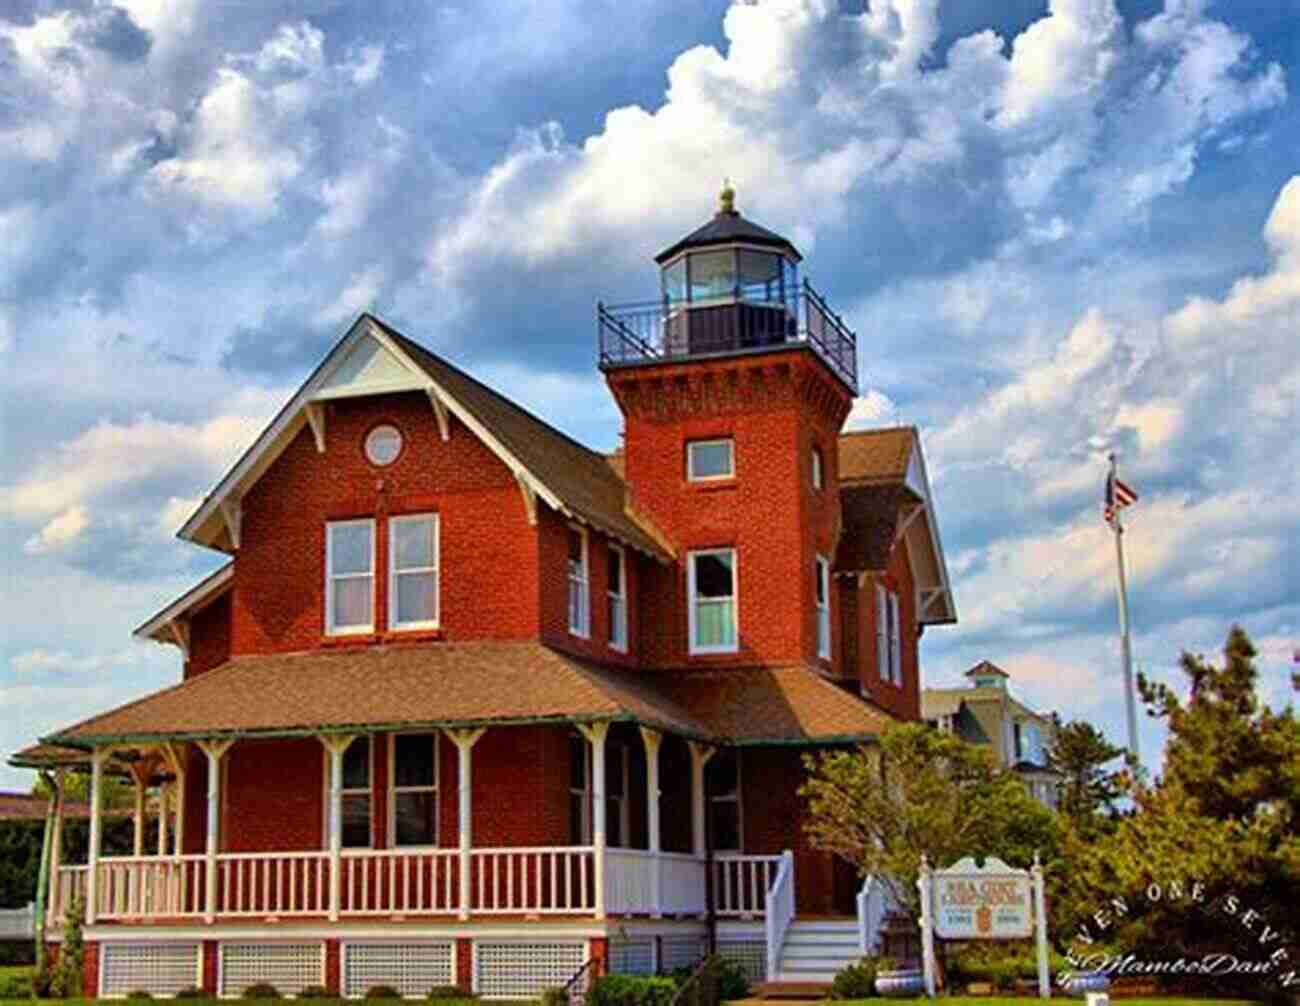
727 197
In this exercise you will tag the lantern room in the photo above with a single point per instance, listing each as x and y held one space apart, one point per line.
731 286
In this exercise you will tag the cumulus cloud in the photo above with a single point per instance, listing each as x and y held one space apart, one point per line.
59 532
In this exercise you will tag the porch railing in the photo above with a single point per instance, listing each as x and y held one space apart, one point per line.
741 883
780 911
540 880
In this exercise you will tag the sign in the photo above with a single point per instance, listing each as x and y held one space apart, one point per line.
989 902
993 902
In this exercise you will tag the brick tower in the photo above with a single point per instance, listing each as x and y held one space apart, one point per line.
734 384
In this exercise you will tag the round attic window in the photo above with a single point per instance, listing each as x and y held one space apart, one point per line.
383 444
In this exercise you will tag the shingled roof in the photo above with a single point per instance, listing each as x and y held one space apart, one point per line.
876 455
470 684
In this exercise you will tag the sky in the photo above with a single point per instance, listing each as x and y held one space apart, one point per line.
1059 229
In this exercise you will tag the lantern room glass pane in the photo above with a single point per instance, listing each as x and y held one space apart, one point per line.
760 276
713 274
675 281
791 272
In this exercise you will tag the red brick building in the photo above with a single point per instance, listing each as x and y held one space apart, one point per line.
473 704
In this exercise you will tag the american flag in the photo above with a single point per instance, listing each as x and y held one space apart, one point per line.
1118 496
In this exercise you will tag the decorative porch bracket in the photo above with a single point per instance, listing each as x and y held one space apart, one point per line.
215 750
173 756
464 741
700 755
652 739
595 734
335 745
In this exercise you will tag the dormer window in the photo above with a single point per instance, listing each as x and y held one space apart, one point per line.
710 459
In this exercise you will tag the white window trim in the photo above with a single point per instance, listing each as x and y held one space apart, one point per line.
895 640
823 608
435 569
618 641
347 630
394 789
889 656
325 803
582 582
690 459
693 647
740 806
818 475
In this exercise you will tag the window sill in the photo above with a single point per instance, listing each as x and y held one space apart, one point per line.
387 636
719 485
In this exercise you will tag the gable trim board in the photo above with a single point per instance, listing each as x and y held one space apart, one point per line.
160 627
370 347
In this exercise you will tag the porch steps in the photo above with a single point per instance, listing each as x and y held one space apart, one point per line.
814 950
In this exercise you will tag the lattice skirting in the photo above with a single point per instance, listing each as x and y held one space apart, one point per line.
751 955
634 956
522 970
161 969
290 967
411 968
681 951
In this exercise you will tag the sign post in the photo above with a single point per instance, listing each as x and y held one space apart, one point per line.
990 902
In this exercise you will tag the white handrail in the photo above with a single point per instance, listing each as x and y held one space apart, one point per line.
871 913
741 883
780 912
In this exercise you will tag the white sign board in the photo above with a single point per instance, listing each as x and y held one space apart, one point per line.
993 902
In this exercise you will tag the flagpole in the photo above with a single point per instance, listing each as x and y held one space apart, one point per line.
1126 650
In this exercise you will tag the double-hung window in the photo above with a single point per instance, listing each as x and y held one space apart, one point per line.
822 571
617 595
350 576
579 587
722 781
888 637
579 790
413 572
711 588
710 459
413 789
356 833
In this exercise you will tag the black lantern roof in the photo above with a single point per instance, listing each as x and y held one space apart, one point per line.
729 227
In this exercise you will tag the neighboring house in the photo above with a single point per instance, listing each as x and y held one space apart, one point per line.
987 713
27 807
473 704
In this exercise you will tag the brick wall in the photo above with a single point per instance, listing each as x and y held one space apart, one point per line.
488 582
209 637
904 702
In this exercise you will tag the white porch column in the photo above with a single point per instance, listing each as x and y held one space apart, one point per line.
335 745
700 755
652 739
98 757
162 818
56 848
215 750
465 741
595 734
137 778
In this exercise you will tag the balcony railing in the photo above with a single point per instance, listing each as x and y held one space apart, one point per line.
662 331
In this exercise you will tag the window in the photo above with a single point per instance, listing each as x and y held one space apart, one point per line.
710 459
413 789
350 576
579 790
711 586
413 572
617 584
356 796
383 444
579 598
1018 744
722 782
617 766
822 572
817 467
888 640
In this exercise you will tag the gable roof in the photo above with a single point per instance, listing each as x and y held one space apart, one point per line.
472 684
373 358
985 668
886 502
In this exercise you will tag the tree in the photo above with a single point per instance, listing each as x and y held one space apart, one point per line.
921 792
1087 793
118 792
